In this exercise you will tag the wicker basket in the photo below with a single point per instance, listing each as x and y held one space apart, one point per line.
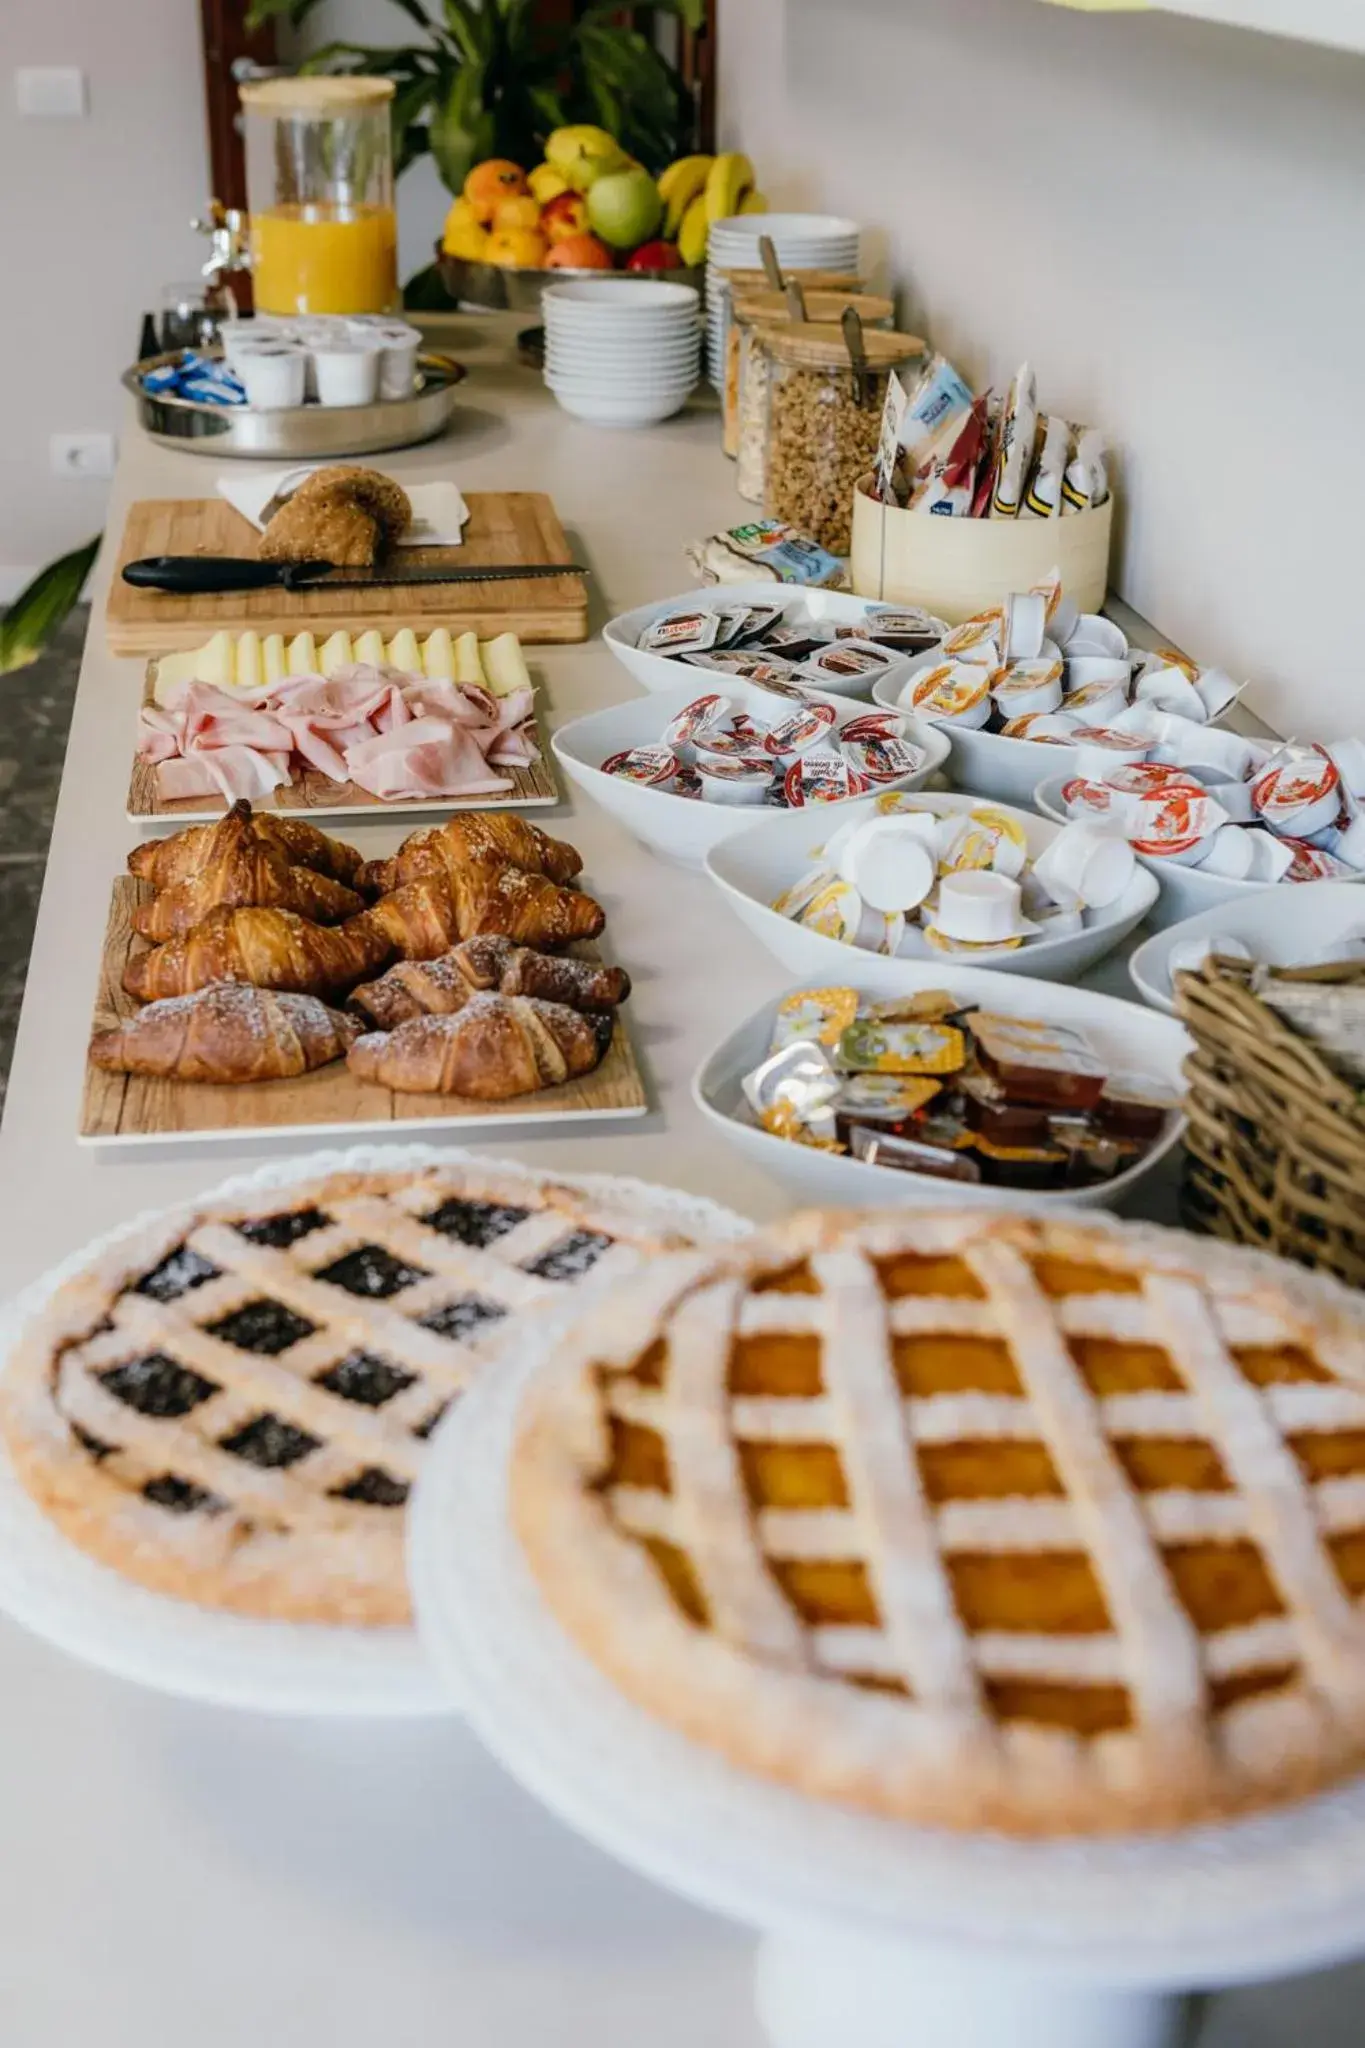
1275 1148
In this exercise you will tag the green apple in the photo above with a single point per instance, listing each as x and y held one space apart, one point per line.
624 208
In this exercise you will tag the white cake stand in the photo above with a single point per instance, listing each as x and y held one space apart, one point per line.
889 1936
234 1660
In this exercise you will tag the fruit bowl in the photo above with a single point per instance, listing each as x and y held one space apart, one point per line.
500 288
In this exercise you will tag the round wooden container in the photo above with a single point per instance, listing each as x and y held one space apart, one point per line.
958 567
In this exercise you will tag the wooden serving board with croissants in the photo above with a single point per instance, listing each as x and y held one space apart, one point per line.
258 977
505 528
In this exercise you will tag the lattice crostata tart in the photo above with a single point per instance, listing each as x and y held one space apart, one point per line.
232 1405
978 1521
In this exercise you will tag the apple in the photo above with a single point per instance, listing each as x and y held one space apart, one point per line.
625 209
566 214
655 256
579 252
488 184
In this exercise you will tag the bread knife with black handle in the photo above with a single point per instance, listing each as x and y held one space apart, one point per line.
194 575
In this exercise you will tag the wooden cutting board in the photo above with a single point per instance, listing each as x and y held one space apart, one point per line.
504 527
127 1108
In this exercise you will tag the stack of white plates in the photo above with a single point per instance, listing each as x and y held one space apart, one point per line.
622 353
803 241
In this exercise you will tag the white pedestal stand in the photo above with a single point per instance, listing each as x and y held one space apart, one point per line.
875 1934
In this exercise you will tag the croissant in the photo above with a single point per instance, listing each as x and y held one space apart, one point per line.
472 838
417 988
269 948
241 871
427 917
164 862
227 1033
494 1048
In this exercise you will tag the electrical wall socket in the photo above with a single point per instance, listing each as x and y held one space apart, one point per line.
82 455
51 92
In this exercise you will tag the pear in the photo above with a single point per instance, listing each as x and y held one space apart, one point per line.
438 655
336 653
505 665
404 652
468 667
272 657
370 648
303 655
249 672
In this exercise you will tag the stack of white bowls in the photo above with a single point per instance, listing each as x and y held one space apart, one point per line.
803 241
622 352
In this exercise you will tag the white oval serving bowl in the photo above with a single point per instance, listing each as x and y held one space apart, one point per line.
660 671
684 828
1135 1039
1185 892
753 866
1287 925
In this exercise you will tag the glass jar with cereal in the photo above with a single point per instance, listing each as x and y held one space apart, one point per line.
824 423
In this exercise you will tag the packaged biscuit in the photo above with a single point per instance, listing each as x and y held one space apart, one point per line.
765 549
1014 455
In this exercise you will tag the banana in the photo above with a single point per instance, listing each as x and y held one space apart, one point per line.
679 186
754 202
727 181
693 231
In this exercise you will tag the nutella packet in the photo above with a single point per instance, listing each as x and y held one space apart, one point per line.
845 662
760 622
1086 483
1014 454
681 633
1043 493
765 549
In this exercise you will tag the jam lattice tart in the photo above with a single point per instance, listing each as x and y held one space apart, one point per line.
976 1521
233 1405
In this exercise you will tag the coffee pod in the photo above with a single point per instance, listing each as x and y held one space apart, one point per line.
881 760
1349 756
689 728
1027 688
274 376
1349 844
819 777
345 372
1098 801
1084 669
1231 853
1024 624
1044 728
1097 703
1190 954
1313 863
651 767
953 693
1212 753
1176 824
888 863
1093 635
743 779
1100 748
873 725
984 838
980 909
1087 862
1171 691
1300 794
1066 615
1271 857
1217 690
805 728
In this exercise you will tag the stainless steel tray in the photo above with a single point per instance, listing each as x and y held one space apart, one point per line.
300 431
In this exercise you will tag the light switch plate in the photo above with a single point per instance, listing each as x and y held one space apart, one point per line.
50 92
82 455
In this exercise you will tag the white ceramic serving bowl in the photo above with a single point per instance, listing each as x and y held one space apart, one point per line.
630 384
660 671
685 828
598 409
774 849
1185 892
618 300
1133 1039
614 353
1289 925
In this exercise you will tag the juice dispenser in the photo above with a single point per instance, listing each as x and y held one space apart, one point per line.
319 166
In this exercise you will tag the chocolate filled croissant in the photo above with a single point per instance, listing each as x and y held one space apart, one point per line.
240 870
440 987
494 1048
427 917
228 1033
269 948
164 862
473 838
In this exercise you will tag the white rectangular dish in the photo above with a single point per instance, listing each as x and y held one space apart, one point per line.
1284 926
1134 1039
751 868
661 671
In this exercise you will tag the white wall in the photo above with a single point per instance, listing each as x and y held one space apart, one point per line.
94 221
1169 221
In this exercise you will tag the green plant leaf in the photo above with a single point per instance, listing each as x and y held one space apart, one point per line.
692 13
411 101
41 608
295 12
414 10
632 91
462 128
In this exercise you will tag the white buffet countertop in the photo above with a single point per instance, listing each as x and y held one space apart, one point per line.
179 1874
